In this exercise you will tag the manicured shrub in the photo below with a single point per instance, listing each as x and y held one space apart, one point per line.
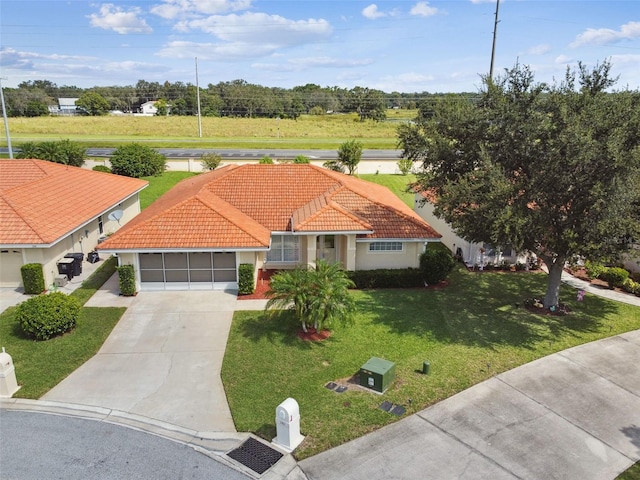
436 265
301 159
136 160
614 276
101 168
32 278
127 280
631 286
246 284
47 316
594 269
266 160
405 165
61 151
210 161
387 278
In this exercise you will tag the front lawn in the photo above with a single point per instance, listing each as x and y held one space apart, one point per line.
158 186
468 332
41 365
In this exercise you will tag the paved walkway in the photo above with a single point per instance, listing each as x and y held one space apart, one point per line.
600 291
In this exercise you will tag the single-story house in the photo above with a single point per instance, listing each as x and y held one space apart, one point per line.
272 217
149 108
66 106
473 254
48 210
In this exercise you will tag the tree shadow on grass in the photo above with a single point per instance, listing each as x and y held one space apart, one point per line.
279 327
484 310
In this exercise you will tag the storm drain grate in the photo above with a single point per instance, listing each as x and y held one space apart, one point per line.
255 455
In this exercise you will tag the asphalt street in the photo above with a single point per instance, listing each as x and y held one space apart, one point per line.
73 448
236 153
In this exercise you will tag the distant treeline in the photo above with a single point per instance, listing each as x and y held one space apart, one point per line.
225 99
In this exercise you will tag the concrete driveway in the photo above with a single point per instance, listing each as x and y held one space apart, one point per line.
162 360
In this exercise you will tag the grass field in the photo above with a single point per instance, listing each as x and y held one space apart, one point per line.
309 131
469 331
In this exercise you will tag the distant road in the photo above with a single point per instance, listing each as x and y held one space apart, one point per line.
228 153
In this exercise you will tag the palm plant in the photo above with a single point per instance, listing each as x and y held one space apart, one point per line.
330 300
317 296
290 290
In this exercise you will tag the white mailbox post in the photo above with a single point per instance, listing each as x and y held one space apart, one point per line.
288 425
8 383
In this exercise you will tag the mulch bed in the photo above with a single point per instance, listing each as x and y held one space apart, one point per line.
262 286
311 335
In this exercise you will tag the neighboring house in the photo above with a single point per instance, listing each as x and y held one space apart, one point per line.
48 210
270 216
66 106
149 108
472 254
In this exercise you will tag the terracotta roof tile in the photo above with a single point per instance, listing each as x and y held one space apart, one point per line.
239 206
43 201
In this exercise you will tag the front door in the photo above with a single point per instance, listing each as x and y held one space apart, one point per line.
326 248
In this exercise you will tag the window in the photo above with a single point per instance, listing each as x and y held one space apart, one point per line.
284 248
100 225
385 247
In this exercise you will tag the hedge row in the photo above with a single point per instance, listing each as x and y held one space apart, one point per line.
387 278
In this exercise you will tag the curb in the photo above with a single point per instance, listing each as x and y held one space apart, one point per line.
215 445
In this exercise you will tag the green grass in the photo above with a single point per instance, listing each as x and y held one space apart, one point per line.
396 183
308 132
633 473
158 186
468 332
92 284
40 365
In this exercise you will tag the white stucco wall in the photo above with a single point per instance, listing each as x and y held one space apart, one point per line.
409 257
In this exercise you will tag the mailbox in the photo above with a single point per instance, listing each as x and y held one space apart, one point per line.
288 425
8 383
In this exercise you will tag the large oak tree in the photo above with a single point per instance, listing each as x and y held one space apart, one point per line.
553 169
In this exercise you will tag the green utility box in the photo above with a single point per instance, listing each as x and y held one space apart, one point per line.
377 374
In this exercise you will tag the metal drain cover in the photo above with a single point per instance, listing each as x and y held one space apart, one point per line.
255 455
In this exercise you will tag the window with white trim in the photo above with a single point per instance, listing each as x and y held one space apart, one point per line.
385 247
284 248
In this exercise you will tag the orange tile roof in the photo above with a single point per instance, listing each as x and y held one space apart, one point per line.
240 206
41 201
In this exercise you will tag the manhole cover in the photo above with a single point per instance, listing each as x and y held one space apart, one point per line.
255 455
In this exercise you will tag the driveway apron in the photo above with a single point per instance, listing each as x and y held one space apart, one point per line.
161 361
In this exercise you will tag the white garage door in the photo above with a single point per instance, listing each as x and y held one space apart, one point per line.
188 271
10 263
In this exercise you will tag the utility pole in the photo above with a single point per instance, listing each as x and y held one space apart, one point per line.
6 122
198 100
495 33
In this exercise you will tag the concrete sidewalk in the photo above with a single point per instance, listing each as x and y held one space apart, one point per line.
574 414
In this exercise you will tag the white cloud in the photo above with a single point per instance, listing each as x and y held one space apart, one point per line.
482 1
603 36
539 49
563 59
371 12
260 29
423 9
115 18
171 9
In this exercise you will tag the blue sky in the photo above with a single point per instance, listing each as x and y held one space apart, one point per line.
405 46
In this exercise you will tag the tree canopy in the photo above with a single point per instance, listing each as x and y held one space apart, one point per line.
553 169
